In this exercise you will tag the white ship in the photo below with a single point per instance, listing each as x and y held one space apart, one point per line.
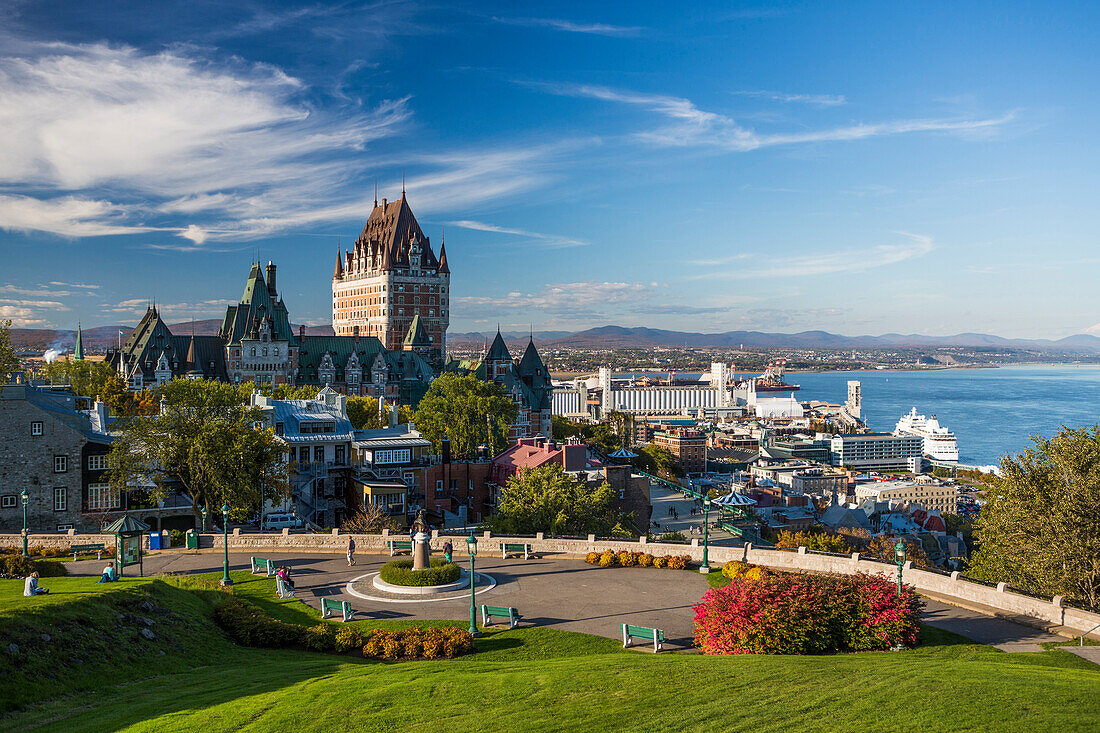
939 442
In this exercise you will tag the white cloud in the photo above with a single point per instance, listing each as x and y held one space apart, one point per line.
170 311
69 216
599 29
815 100
82 286
691 126
22 317
588 300
551 240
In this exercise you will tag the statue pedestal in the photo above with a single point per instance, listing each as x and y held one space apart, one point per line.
420 551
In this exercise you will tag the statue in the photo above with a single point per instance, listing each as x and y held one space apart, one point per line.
421 535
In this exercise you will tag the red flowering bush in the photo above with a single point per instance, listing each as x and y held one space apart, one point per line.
805 614
678 562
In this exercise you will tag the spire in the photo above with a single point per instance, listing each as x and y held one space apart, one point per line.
376 193
402 183
443 256
78 350
338 271
498 351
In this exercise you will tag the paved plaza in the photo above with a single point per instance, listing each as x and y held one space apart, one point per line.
556 591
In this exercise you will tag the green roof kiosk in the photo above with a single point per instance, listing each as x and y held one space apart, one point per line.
127 532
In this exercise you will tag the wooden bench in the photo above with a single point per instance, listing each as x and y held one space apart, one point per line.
488 612
329 605
282 588
643 632
397 546
263 565
77 549
516 548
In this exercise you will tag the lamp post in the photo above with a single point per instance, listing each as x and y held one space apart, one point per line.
24 498
226 580
705 567
899 558
471 546
204 519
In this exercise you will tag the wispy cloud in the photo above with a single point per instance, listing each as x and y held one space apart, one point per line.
170 311
549 240
830 262
587 300
599 29
691 126
816 100
59 290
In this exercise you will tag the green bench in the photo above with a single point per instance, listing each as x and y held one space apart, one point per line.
284 590
630 633
397 546
263 565
77 549
488 612
515 548
328 605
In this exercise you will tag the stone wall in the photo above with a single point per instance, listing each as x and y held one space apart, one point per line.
951 588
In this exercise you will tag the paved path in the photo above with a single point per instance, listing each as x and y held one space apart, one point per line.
557 592
663 498
1091 653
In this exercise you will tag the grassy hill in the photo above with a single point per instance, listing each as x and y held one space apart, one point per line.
97 672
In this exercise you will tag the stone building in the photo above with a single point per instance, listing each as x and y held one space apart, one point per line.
57 452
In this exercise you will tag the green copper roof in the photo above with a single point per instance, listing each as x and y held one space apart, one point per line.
78 350
417 336
125 525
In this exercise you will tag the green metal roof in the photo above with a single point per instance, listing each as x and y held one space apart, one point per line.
126 525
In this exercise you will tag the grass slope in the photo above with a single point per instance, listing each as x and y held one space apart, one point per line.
527 679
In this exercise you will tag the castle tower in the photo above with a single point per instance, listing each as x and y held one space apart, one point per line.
389 277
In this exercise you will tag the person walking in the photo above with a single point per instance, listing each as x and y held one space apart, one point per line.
351 551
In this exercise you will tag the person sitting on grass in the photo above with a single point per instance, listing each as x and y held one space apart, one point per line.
31 588
108 574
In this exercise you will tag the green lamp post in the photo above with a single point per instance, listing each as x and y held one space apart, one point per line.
204 519
226 580
705 567
23 496
471 546
899 558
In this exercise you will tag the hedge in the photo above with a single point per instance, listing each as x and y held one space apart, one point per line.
17 566
627 559
400 572
805 614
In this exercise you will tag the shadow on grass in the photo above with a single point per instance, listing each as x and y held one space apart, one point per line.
930 636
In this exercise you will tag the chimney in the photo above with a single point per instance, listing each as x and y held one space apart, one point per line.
446 449
301 332
271 280
383 204
355 333
393 416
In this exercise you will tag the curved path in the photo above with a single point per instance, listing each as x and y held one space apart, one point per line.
556 592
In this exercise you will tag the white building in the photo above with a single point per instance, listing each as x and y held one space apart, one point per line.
876 451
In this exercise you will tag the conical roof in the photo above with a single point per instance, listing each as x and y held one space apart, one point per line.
416 335
531 363
126 525
443 258
78 350
338 271
498 351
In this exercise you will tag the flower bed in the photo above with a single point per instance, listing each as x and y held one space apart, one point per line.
805 614
400 572
628 559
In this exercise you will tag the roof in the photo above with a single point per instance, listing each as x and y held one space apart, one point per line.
257 307
399 436
61 406
294 413
126 525
416 335
524 455
498 350
392 229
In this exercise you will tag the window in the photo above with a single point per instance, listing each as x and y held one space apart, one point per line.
36 427
65 527
60 499
393 456
278 428
275 351
264 350
318 452
60 464
303 454
97 462
8 501
101 496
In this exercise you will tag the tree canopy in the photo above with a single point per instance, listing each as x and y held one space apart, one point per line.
469 411
1040 530
9 362
94 379
363 413
205 441
546 499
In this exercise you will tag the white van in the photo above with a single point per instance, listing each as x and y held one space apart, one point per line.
282 521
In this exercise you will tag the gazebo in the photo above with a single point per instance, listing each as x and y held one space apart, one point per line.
734 502
127 532
623 454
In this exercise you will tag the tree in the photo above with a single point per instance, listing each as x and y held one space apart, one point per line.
87 378
469 411
658 461
881 547
812 541
546 499
9 362
561 428
205 441
369 519
363 413
1040 530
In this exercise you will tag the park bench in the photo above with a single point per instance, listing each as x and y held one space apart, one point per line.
77 549
516 548
263 565
488 612
282 588
397 546
643 632
329 605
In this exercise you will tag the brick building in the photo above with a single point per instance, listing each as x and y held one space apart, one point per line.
688 446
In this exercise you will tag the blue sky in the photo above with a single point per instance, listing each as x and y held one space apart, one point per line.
853 167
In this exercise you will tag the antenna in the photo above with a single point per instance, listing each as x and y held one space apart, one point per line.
402 182
376 192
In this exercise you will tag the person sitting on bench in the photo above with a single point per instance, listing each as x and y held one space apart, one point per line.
31 587
108 574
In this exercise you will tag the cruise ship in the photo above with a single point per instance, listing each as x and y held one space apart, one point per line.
939 442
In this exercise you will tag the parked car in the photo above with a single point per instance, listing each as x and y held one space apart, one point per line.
282 520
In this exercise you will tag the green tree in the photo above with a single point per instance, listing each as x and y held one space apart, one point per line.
87 378
9 362
1040 530
546 499
812 541
205 441
560 428
658 461
469 411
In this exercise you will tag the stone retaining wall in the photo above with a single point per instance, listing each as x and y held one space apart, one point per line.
951 588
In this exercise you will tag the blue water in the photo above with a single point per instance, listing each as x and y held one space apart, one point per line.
991 411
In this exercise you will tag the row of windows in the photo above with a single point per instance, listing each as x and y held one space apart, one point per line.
316 427
60 500
403 455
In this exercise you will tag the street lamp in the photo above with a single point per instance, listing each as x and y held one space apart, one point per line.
204 519
899 558
226 580
705 567
23 496
471 547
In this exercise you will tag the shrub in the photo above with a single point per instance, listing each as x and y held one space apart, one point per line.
678 562
626 559
660 561
415 642
321 638
804 614
608 559
734 568
400 572
645 560
674 537
175 538
592 558
812 541
17 566
250 626
348 637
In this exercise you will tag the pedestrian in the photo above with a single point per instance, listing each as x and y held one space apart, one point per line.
351 551
30 588
448 550
108 574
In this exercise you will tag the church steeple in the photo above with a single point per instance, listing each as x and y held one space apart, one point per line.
78 350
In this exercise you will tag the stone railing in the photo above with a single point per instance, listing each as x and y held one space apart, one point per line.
951 588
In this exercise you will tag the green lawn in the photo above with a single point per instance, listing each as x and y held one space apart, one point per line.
527 679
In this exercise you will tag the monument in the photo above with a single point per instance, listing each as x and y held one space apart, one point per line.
420 550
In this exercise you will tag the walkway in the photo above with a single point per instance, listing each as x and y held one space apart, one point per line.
562 593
